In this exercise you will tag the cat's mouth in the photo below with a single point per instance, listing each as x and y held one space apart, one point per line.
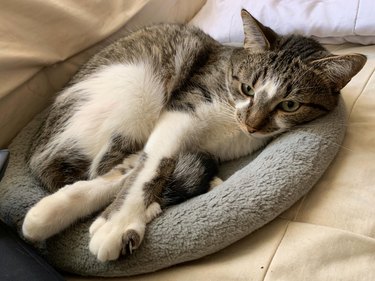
252 132
258 133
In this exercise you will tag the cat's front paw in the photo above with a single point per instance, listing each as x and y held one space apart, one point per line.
121 233
33 224
111 238
41 221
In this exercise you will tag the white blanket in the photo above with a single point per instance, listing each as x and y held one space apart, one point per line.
329 21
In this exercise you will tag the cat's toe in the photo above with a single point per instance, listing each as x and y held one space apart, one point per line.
105 246
98 223
130 241
111 249
98 237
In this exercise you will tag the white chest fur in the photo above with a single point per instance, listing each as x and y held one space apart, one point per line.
220 135
124 99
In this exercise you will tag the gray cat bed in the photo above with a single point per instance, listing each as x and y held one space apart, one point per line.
256 190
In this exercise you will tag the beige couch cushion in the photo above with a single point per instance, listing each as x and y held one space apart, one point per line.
43 42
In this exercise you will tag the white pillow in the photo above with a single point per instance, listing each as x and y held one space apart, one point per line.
329 21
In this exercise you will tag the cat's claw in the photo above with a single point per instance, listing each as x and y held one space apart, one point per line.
130 242
129 247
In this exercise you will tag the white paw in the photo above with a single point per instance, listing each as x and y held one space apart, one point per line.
216 181
152 211
121 233
43 220
115 236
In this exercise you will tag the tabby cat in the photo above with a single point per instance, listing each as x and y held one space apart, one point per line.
144 123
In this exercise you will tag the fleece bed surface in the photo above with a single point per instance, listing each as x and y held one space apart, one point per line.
256 190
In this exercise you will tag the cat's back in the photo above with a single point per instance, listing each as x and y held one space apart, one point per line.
166 47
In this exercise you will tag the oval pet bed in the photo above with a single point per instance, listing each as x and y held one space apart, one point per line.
256 190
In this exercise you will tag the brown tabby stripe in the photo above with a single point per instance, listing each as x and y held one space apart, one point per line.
154 188
317 106
119 148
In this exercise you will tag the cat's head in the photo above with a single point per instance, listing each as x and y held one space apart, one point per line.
278 82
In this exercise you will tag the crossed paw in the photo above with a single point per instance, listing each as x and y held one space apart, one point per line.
121 233
110 239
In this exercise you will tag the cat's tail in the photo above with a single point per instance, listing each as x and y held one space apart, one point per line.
192 176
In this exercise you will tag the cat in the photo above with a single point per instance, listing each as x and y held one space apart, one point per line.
145 122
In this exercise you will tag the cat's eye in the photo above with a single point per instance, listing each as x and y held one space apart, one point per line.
289 105
247 90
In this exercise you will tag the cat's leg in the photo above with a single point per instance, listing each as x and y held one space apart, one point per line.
67 166
59 210
121 228
118 148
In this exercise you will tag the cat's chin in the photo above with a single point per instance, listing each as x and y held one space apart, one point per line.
257 135
263 135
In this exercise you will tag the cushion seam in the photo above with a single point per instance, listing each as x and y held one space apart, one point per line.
360 94
286 229
300 207
277 248
334 228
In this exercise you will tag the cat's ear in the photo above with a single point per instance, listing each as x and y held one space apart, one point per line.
340 69
257 36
